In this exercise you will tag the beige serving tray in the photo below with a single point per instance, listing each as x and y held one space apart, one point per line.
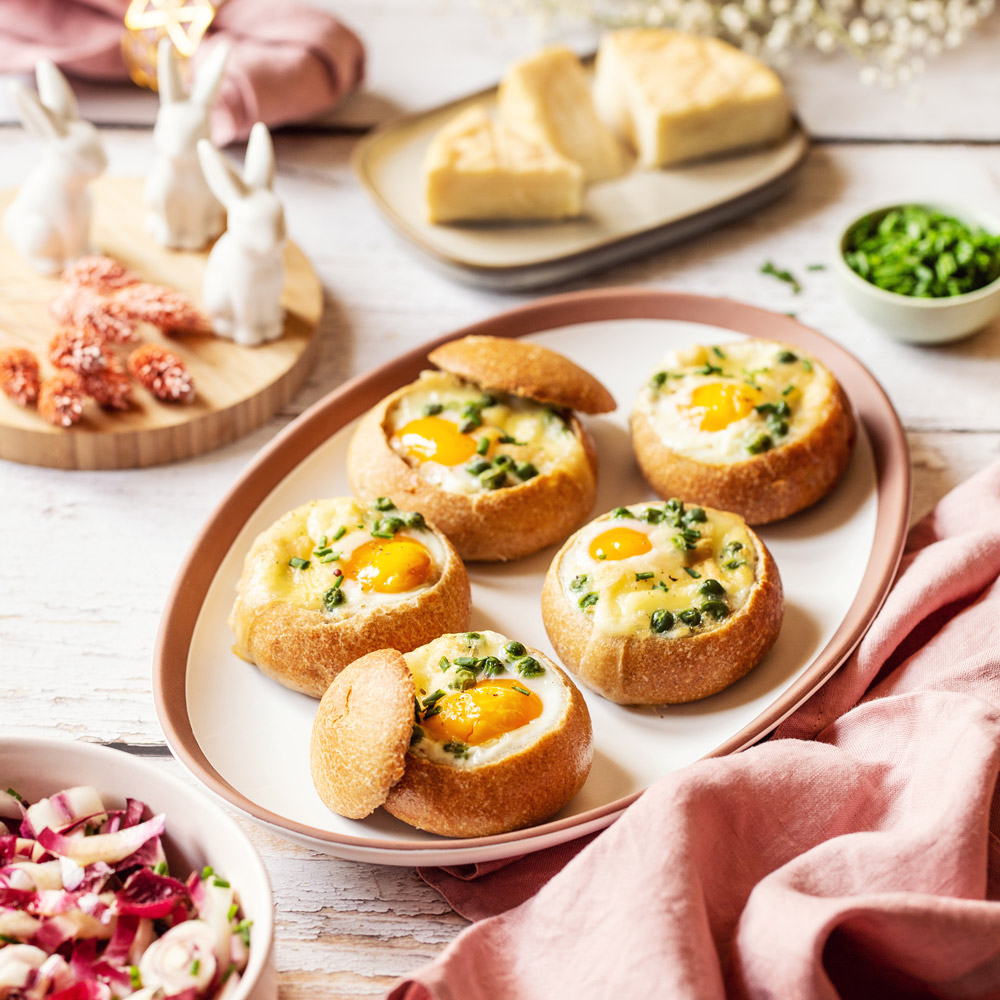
641 211
247 737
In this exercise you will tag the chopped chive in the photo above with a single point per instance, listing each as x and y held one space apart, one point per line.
759 442
383 534
807 365
526 470
815 267
160 868
296 563
787 390
483 446
322 542
432 409
505 438
733 564
473 637
622 512
660 585
588 600
207 872
785 357
233 910
330 557
221 883
782 275
492 666
416 735
520 690
443 663
134 978
243 929
708 369
324 551
653 515
578 582
694 574
504 462
694 515
478 466
718 353
493 480
658 379
465 661
384 503
644 576
195 966
15 795
339 533
414 519
456 747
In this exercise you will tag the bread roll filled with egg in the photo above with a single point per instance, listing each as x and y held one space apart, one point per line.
488 447
470 735
335 579
756 427
662 603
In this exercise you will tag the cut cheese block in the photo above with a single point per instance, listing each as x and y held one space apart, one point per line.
547 98
477 169
678 97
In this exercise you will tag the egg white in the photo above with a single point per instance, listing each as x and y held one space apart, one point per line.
805 384
429 677
544 438
624 605
300 531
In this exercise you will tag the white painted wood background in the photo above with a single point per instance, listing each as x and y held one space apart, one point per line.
88 558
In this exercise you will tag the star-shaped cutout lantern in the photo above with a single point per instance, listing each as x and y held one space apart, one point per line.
184 22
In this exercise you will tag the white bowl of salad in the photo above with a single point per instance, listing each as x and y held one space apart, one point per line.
118 880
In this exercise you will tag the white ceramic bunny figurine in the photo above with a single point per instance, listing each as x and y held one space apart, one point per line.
183 212
246 272
49 220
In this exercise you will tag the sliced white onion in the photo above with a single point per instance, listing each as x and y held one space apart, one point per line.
17 961
183 958
17 924
62 808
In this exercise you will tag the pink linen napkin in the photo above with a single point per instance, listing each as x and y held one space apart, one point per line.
856 857
288 63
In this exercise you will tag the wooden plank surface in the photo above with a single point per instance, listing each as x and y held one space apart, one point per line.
90 556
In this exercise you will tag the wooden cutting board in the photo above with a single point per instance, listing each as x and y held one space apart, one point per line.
238 388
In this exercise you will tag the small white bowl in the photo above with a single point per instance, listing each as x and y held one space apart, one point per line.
916 320
198 832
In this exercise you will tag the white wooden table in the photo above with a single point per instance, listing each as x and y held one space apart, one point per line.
88 558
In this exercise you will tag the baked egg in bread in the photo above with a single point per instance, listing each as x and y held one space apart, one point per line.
335 579
470 735
489 447
754 426
662 602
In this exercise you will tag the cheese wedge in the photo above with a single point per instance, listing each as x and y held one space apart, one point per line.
679 97
547 99
477 169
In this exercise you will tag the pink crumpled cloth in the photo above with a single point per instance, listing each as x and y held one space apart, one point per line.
289 61
857 857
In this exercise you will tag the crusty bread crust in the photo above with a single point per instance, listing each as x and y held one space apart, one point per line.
524 369
361 733
764 487
525 788
490 526
656 670
305 649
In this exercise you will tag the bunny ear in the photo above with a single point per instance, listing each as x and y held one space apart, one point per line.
35 117
222 180
55 92
208 79
168 77
258 171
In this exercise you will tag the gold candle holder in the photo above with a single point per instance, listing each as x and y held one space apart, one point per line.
184 22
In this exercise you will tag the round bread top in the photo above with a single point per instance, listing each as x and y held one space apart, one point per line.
730 402
466 441
338 557
482 697
523 369
361 733
659 570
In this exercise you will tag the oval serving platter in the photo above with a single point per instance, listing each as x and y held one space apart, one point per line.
247 738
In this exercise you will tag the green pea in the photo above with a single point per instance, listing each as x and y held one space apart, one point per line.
711 588
661 621
690 617
514 648
717 609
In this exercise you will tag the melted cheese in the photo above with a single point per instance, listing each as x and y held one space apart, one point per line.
270 575
431 676
678 96
727 403
475 168
523 429
621 595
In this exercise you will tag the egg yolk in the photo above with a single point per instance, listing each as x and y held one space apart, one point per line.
437 439
483 712
389 566
721 403
619 543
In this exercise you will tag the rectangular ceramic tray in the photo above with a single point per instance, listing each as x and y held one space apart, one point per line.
631 215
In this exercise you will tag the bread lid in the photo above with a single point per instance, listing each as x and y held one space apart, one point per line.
361 733
523 369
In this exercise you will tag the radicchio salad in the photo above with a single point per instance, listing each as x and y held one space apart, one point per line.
90 911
